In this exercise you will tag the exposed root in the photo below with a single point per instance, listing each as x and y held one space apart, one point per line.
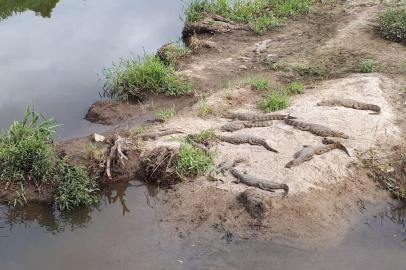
117 153
159 166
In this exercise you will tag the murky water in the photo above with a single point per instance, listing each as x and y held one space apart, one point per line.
52 52
123 232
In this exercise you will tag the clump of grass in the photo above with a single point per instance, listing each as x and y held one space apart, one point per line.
259 84
366 66
202 137
192 161
172 52
392 24
135 79
261 15
28 157
311 71
274 101
203 108
295 87
264 23
165 114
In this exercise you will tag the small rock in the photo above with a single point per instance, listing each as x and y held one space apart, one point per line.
242 67
98 138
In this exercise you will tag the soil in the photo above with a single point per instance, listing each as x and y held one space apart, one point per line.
327 193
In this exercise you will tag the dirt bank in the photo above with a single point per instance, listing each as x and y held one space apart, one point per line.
326 193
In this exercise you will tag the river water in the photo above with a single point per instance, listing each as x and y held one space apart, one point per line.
52 52
51 56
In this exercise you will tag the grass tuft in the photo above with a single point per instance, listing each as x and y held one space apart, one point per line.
28 157
202 137
203 108
192 161
274 101
172 52
295 87
136 79
259 84
392 24
366 66
165 114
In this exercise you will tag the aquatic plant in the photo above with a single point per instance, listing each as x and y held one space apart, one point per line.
28 157
135 79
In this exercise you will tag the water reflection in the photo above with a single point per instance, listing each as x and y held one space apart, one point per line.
40 7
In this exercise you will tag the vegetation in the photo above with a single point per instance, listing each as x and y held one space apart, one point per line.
366 66
192 161
172 52
392 24
28 157
136 79
274 101
203 108
311 71
259 84
165 114
295 87
202 137
41 7
261 15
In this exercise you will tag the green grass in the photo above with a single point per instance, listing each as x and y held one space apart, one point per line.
367 66
172 52
165 114
28 157
192 161
202 137
203 108
138 78
259 84
392 24
261 15
295 87
274 101
40 7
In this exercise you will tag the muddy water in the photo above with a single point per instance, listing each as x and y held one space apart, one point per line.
52 52
123 232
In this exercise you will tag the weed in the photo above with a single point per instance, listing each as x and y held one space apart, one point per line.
259 84
274 101
93 153
295 87
136 79
166 114
202 137
366 66
312 71
203 108
28 157
262 24
192 161
392 24
227 94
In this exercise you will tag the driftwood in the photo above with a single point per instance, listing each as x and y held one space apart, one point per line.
121 145
242 139
156 134
250 180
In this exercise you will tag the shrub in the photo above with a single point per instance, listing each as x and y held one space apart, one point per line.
295 87
192 161
259 84
166 114
261 15
274 101
392 24
136 79
366 66
28 157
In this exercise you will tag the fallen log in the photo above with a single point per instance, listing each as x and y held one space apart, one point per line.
253 181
